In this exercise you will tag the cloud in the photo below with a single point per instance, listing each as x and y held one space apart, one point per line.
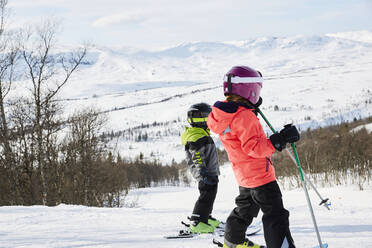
118 19
142 23
36 3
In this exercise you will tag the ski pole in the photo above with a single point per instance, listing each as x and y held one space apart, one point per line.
307 197
303 183
323 202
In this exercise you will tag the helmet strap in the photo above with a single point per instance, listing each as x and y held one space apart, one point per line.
229 87
258 103
190 121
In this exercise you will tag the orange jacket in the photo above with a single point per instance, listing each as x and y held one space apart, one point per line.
245 142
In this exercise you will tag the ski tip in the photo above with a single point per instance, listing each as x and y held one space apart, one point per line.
324 245
181 235
254 232
218 243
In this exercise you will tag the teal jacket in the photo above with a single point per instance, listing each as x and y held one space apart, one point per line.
201 153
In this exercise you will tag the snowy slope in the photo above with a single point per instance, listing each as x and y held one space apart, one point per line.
312 80
160 210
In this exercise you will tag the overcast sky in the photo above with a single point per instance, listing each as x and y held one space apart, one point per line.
160 23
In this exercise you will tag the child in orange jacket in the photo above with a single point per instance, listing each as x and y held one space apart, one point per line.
249 151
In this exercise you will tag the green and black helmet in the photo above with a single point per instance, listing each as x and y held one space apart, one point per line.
197 114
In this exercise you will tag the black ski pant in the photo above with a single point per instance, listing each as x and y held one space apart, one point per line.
275 221
204 205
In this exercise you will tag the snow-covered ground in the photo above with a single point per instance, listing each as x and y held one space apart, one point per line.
160 210
310 81
368 127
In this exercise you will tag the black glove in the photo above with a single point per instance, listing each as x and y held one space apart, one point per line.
288 134
278 141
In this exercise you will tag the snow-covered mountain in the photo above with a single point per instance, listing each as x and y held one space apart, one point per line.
309 80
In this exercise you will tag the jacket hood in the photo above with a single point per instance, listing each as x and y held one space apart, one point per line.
222 115
192 134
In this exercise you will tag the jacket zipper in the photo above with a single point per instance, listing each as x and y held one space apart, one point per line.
268 162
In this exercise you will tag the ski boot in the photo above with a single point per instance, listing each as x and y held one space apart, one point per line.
201 227
213 222
246 244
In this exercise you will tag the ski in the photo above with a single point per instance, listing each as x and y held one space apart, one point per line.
219 232
219 244
325 245
252 229
182 234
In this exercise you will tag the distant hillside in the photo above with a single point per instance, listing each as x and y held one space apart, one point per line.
309 80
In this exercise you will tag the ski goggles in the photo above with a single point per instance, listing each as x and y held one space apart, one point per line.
196 120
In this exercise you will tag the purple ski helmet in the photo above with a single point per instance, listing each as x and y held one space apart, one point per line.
243 81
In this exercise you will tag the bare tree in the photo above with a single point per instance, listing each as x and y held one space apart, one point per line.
9 55
84 150
48 73
3 15
36 167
